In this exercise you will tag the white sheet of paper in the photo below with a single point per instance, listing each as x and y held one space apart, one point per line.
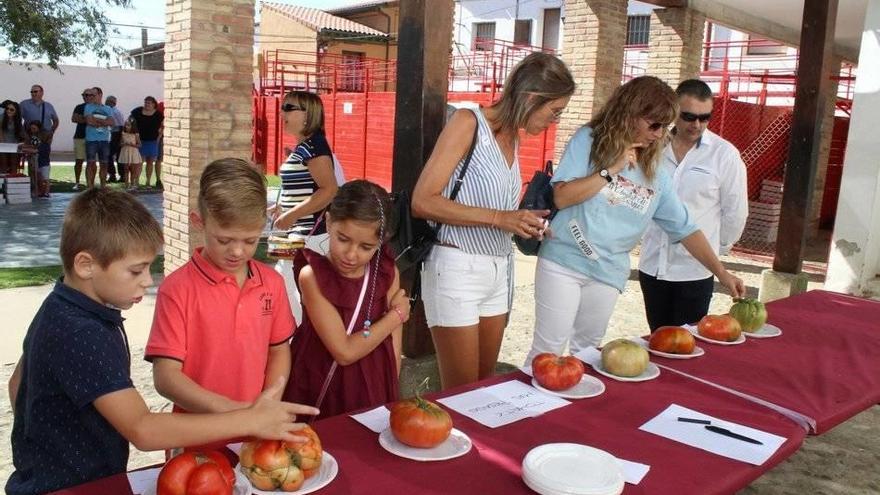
235 447
503 403
666 424
527 370
8 147
141 480
633 472
378 419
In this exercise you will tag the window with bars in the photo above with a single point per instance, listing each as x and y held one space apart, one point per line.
638 28
522 32
484 36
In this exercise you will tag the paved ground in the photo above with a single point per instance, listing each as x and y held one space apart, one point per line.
837 463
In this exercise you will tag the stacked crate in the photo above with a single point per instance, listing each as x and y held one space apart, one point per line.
763 222
16 189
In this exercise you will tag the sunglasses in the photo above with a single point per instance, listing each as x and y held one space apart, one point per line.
35 91
656 126
84 95
691 117
290 107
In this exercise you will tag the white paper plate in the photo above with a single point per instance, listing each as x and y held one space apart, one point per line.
697 335
697 352
765 332
651 372
326 473
586 388
242 485
458 444
570 468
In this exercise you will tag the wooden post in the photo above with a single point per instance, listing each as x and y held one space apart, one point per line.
424 37
813 75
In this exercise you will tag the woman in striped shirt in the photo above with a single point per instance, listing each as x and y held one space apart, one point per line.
308 182
466 280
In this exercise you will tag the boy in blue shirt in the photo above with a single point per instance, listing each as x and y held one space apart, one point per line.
99 121
71 392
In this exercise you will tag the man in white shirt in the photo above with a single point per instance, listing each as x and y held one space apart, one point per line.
710 178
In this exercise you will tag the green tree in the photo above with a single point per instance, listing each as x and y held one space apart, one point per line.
54 29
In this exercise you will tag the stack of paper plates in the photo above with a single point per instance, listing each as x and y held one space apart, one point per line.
572 469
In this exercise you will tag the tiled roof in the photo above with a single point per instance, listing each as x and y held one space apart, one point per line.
320 20
360 5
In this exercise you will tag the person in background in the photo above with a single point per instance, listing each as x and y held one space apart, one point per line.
79 136
467 279
308 182
709 176
71 390
11 132
150 122
38 161
98 124
42 111
130 155
115 145
608 188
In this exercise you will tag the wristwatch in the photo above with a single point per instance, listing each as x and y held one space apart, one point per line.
605 175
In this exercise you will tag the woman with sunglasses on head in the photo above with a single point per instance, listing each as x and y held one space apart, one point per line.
609 189
467 278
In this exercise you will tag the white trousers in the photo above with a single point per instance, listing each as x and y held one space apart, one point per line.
570 308
318 244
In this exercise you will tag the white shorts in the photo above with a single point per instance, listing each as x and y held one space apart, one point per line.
459 288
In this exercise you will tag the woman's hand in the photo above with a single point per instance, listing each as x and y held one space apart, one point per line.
629 157
734 284
524 223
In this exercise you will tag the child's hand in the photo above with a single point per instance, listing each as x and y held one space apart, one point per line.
275 420
400 302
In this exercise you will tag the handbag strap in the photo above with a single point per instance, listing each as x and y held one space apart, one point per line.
357 310
464 168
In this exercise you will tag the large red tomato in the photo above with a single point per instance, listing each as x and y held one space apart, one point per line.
719 327
196 473
557 372
420 423
674 340
278 465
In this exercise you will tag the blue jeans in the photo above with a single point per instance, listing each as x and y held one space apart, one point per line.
99 149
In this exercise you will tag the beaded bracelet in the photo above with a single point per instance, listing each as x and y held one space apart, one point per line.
399 314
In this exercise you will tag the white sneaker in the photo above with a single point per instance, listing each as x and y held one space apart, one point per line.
77 187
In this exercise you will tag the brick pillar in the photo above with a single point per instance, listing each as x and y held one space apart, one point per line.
829 101
675 44
594 34
208 79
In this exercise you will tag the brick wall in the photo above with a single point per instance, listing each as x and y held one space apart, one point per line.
594 35
675 44
208 57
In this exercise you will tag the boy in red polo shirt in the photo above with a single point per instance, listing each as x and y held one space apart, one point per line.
222 323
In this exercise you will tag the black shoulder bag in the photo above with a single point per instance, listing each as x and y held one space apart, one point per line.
538 196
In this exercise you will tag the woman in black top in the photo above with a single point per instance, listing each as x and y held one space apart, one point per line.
150 123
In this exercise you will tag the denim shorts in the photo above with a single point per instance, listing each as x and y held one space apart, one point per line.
149 149
459 288
99 150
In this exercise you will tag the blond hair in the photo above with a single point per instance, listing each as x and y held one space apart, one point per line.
314 109
536 80
109 225
614 127
233 193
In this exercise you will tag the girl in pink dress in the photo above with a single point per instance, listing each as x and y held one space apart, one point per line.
346 352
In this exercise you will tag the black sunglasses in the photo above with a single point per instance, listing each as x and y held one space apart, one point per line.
35 91
691 117
87 94
290 107
656 126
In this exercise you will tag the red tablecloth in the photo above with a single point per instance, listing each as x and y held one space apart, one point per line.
825 365
608 422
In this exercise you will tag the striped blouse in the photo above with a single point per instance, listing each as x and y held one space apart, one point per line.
488 183
297 183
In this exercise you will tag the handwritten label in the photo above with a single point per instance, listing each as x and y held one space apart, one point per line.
504 403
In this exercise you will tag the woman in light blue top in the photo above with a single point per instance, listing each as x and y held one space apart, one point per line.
466 279
608 189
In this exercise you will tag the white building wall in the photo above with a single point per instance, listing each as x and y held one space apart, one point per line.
63 89
504 14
